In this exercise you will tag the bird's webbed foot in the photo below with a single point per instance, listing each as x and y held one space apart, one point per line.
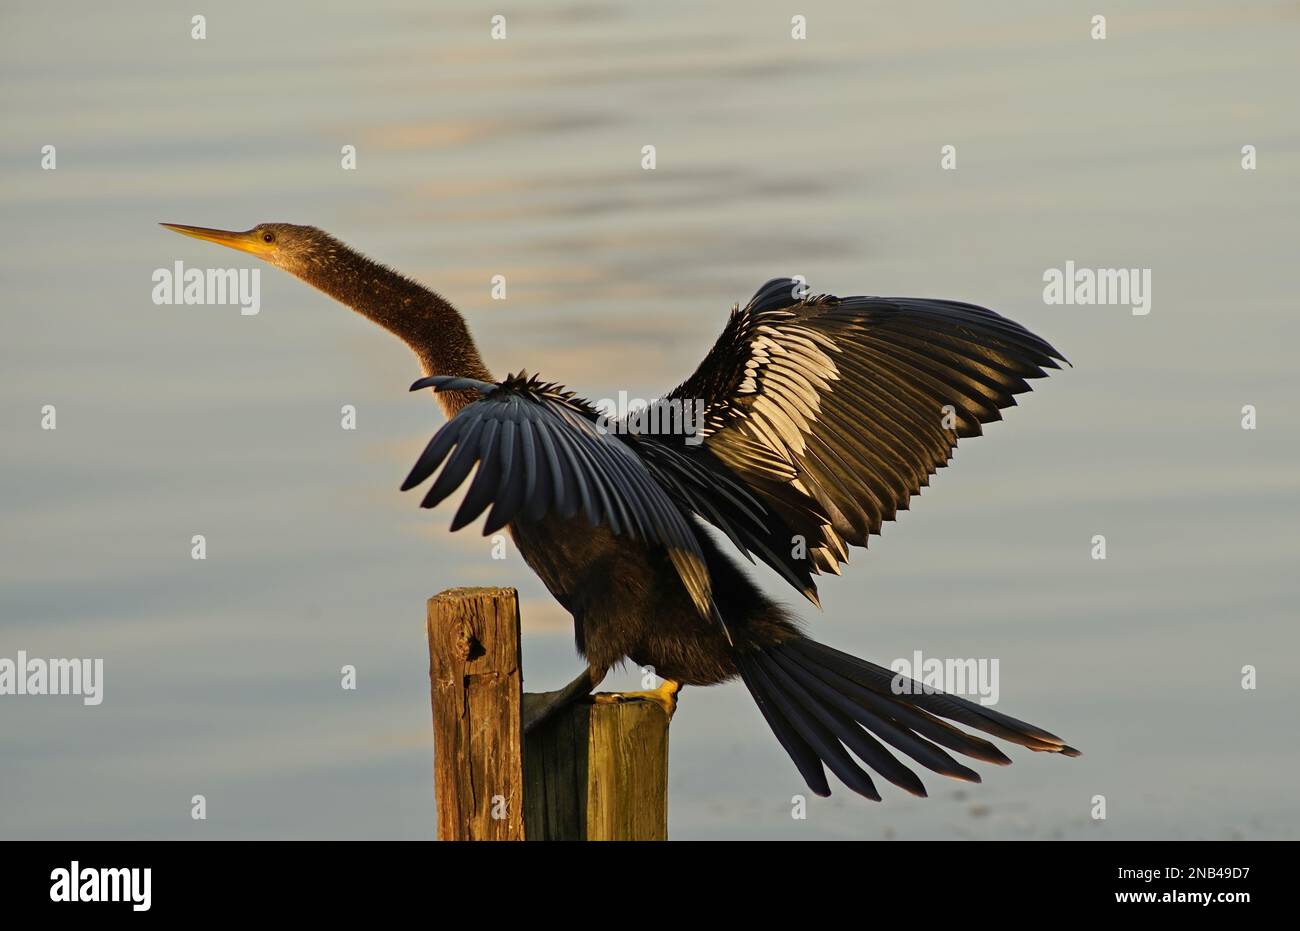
538 706
665 696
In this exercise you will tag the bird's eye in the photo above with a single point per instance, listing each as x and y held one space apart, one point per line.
268 237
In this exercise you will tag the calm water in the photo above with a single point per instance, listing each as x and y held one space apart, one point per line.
522 158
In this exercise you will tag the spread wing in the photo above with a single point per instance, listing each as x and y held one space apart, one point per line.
540 452
834 411
702 485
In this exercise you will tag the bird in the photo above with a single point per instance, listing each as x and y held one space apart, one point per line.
812 421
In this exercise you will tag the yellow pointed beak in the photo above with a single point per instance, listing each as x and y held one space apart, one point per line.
247 241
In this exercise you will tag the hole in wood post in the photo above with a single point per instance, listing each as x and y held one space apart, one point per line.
467 645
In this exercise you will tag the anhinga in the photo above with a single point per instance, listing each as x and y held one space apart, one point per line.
822 417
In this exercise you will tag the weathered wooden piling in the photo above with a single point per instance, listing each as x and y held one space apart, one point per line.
593 771
474 677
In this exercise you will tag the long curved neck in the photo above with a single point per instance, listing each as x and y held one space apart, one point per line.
433 329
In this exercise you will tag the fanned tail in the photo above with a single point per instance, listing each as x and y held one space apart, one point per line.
822 703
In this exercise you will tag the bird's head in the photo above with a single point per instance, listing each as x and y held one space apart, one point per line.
297 249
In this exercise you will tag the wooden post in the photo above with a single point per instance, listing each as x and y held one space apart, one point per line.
598 771
475 678
593 771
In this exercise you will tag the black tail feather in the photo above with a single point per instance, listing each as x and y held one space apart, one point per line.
906 717
807 762
823 743
944 705
819 700
928 755
866 747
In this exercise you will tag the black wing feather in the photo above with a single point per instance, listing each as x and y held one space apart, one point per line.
538 451
834 412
